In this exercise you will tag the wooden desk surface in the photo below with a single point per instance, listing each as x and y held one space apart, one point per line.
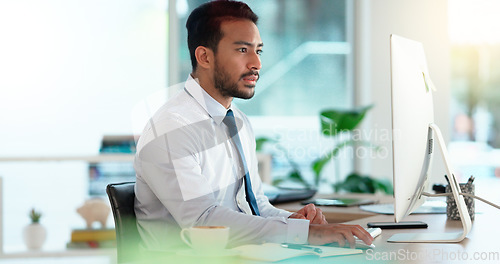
482 244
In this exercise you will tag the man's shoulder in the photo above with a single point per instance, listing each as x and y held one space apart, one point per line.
180 108
180 111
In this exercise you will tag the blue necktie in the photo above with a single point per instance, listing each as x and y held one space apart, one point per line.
233 132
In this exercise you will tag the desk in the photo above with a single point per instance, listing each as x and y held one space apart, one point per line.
480 245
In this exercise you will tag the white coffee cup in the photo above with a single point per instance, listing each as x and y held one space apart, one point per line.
206 239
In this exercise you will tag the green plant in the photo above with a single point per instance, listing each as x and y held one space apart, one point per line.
261 141
363 184
333 124
35 216
294 175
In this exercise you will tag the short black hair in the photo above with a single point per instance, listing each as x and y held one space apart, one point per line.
203 24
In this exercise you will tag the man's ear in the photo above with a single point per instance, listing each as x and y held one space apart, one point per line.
204 57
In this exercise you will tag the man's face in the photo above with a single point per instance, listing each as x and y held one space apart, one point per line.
237 61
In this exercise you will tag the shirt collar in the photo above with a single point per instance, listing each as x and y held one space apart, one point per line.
216 111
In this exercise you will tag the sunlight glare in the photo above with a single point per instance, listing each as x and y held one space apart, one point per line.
474 22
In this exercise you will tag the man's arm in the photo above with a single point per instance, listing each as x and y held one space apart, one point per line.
171 166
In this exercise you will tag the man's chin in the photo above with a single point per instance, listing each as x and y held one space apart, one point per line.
245 97
247 94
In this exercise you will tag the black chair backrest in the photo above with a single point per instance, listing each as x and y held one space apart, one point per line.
121 197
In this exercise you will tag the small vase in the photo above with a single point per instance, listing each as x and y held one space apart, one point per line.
34 236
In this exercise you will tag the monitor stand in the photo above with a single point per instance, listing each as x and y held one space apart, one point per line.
450 237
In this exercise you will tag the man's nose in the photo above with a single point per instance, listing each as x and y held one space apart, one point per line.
254 63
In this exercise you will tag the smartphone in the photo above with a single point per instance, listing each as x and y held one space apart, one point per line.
400 225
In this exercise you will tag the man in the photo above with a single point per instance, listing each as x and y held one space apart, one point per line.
195 168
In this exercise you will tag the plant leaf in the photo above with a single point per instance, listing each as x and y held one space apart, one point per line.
363 184
385 186
259 142
318 164
277 182
336 121
296 176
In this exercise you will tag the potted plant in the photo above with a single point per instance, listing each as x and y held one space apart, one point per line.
335 123
34 234
340 124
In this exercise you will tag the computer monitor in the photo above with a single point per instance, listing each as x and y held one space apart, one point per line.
413 133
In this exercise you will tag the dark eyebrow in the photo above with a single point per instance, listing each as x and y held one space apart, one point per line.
248 44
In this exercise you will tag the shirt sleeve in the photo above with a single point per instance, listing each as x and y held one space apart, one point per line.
298 231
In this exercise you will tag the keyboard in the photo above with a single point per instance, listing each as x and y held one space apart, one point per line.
374 232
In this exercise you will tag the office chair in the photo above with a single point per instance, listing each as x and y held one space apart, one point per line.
121 197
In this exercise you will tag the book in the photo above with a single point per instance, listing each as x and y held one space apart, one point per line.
86 235
117 144
275 252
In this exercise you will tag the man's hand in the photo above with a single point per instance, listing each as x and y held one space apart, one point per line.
342 234
311 213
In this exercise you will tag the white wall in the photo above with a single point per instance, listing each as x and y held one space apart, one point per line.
71 71
422 20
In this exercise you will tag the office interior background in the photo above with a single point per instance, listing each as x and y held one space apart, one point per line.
73 72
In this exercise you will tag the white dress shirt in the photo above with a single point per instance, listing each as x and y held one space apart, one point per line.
189 174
